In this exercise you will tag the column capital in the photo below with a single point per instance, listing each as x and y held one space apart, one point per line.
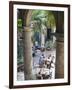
26 29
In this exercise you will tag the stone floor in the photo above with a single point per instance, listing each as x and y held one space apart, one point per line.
36 69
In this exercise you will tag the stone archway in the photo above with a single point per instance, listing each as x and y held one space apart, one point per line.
59 71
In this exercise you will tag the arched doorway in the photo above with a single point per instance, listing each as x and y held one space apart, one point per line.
28 60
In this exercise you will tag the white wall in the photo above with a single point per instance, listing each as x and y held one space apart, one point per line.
4 44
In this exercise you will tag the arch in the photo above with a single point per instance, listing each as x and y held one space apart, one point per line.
28 17
27 37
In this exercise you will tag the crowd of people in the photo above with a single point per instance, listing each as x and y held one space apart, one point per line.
46 62
45 67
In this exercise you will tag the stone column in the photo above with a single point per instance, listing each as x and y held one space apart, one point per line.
59 71
27 53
